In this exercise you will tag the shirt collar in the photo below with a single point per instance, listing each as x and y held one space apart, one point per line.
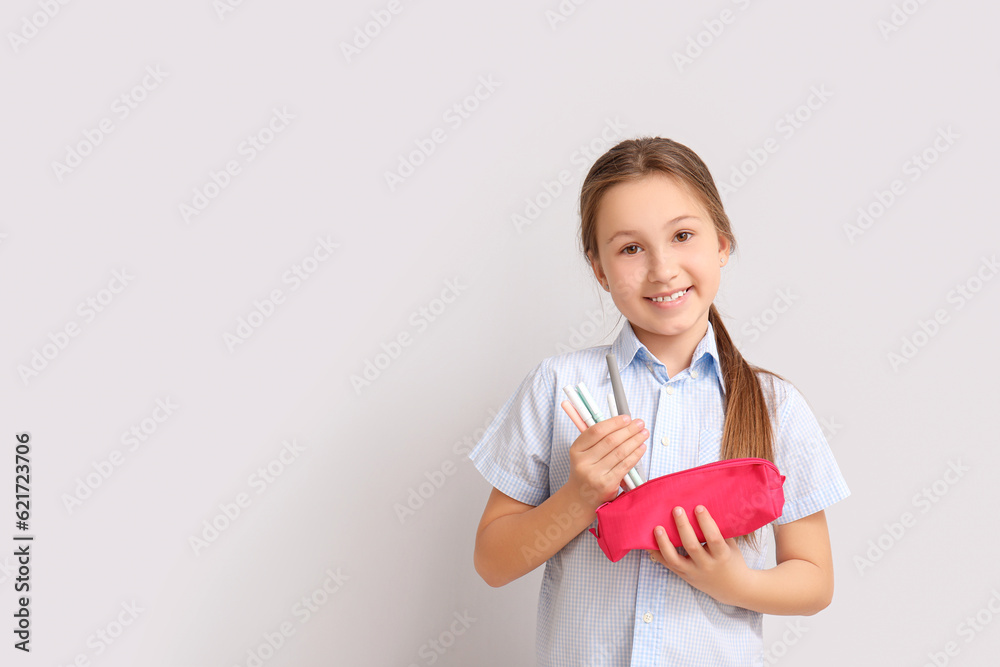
627 348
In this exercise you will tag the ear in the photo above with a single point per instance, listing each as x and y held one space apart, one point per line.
724 247
595 264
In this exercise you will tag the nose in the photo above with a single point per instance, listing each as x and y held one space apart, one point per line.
662 266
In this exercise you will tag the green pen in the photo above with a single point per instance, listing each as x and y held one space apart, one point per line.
589 402
591 405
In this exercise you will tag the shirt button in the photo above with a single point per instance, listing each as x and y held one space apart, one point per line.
670 390
665 440
647 617
694 374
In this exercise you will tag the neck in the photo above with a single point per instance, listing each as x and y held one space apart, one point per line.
674 352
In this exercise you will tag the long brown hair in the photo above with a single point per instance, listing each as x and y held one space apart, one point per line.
747 430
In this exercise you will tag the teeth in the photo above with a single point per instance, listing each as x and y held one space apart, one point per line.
673 297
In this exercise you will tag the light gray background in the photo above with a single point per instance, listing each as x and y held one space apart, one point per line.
523 295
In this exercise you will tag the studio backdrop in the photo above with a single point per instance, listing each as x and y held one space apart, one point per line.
268 271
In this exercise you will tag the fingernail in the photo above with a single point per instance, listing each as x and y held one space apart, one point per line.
699 509
678 511
658 531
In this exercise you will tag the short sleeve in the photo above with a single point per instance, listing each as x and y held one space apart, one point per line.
513 454
812 477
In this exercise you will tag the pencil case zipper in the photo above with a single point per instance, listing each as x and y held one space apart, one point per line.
749 460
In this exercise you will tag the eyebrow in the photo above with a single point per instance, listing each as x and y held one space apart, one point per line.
625 232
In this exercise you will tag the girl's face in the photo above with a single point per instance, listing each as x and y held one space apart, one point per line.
655 240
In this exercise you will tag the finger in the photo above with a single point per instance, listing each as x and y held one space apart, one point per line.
676 567
596 435
688 539
618 437
622 469
626 454
668 556
713 536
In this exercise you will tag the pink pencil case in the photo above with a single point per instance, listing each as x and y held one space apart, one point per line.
741 495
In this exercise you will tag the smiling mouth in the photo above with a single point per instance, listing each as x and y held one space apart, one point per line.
674 296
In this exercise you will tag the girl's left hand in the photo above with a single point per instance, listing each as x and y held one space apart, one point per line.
717 568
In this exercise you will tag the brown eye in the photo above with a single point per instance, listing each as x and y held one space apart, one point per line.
688 234
625 249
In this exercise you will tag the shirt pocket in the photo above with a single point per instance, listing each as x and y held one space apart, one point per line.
709 445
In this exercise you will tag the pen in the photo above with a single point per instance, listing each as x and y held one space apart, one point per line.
632 479
616 385
613 409
589 401
620 402
575 416
633 474
577 402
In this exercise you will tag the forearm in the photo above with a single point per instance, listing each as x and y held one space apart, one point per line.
515 544
792 588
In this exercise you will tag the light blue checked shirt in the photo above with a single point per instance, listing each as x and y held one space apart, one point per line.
592 612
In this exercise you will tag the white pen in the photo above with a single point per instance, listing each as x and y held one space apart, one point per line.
574 398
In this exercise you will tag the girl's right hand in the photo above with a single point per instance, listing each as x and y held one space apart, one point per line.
602 456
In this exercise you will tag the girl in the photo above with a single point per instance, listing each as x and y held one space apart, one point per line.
655 234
